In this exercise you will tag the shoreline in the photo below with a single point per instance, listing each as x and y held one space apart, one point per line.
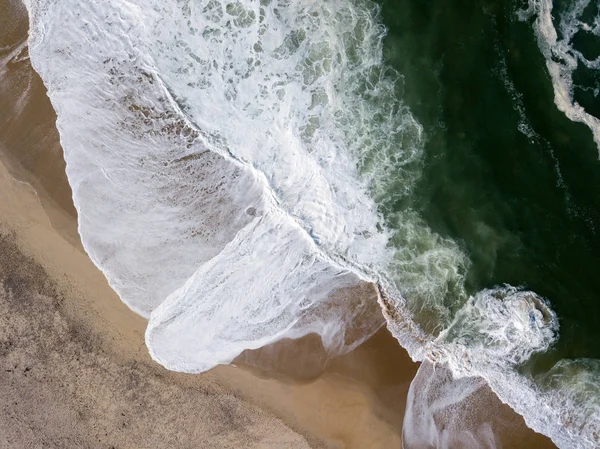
115 335
356 400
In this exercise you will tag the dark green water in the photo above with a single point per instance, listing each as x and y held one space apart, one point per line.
507 175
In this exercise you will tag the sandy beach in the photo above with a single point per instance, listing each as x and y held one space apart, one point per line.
74 368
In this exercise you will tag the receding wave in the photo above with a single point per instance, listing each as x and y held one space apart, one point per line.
235 164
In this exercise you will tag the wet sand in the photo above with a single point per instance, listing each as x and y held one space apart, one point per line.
74 368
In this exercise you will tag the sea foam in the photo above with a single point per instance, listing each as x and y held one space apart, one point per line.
213 161
562 58
235 164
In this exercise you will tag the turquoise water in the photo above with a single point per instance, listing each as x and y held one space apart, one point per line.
507 175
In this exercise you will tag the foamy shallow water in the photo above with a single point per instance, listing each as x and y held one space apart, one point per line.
230 162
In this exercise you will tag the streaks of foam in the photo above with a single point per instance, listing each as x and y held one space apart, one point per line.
444 412
199 174
496 331
504 325
561 56
233 165
574 385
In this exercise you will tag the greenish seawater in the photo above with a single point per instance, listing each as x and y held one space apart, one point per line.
506 175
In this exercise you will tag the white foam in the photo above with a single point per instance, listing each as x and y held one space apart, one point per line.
444 412
216 330
491 335
227 163
212 150
503 325
561 57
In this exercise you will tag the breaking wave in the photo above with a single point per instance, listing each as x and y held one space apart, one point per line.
235 164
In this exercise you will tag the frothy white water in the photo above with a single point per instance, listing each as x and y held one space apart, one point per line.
561 56
574 390
208 321
491 335
444 412
504 326
229 163
192 129
212 150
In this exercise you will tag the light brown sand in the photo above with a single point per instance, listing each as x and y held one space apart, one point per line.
74 371
74 361
59 388
35 154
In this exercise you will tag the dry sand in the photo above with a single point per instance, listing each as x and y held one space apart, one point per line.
74 371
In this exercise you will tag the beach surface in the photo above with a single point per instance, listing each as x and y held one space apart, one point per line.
74 368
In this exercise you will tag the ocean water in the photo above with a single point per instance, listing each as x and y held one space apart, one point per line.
507 97
234 164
